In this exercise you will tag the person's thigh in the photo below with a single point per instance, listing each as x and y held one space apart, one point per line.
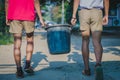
96 20
28 26
84 18
15 26
85 34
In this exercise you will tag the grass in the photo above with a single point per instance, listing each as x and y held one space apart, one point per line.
6 39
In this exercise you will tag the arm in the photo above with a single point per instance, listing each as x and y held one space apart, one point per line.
6 11
106 9
75 7
38 10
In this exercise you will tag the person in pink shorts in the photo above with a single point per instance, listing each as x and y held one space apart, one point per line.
20 15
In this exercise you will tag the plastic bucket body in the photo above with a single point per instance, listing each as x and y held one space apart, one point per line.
58 39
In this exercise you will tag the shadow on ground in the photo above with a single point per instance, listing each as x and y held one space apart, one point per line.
36 59
65 70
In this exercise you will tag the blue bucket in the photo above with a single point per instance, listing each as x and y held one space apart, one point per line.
58 39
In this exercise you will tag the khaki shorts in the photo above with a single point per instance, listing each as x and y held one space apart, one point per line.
17 26
91 19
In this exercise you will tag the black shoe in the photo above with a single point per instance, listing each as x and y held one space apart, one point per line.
98 72
86 72
29 70
19 73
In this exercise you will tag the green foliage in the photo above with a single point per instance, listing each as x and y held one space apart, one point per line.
43 2
5 37
56 2
3 27
69 11
56 14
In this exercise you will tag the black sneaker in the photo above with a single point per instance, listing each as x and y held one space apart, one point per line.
86 72
29 70
98 72
19 73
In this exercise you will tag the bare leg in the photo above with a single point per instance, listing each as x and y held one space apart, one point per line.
29 47
85 48
96 36
17 46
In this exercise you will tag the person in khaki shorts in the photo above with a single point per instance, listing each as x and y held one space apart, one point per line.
91 21
20 15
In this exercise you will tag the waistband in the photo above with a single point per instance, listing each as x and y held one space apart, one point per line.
90 8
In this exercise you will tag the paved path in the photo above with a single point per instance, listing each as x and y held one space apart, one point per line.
64 66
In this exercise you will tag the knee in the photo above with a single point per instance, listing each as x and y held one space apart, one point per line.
29 35
85 38
16 47
29 42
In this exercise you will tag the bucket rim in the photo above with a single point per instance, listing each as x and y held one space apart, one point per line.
58 25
